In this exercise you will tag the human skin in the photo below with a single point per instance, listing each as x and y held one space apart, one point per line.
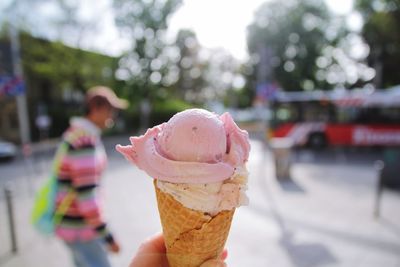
152 253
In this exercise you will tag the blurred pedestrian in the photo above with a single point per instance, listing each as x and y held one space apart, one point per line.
152 253
82 225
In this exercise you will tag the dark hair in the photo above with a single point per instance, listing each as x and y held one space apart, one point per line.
96 102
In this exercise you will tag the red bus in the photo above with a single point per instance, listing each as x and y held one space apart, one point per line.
338 118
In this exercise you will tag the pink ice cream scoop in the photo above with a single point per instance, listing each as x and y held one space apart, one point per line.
195 135
194 146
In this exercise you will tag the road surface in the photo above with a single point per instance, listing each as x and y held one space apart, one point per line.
322 217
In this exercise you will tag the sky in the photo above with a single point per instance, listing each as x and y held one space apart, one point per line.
222 23
217 23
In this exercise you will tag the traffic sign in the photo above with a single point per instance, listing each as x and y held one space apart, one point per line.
11 86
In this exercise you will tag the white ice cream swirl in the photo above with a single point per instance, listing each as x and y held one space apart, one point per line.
211 198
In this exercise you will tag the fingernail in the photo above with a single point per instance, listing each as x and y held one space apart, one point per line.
224 255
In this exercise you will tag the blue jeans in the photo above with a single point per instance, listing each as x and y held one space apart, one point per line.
89 253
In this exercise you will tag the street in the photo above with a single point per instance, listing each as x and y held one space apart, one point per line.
322 217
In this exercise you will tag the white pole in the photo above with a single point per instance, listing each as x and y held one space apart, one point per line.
23 118
22 109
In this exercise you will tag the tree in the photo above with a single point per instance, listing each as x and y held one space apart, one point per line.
191 66
381 31
145 66
289 40
204 74
223 77
50 70
63 24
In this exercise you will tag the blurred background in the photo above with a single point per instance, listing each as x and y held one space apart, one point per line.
314 82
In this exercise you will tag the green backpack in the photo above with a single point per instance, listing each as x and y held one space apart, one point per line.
44 215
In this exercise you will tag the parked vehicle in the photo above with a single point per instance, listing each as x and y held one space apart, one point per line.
8 150
349 118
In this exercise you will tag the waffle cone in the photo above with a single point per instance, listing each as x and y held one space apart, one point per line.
191 237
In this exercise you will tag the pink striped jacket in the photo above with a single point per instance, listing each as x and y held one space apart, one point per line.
80 172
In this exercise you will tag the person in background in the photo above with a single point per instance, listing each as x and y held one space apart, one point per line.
82 226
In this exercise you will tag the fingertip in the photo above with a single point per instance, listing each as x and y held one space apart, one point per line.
224 254
155 244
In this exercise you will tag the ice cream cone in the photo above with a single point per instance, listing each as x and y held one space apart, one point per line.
198 162
191 237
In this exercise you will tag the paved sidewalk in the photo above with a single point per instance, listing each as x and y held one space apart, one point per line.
323 217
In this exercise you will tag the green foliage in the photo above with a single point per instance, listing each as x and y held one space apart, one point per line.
381 32
145 22
60 67
286 38
191 80
164 110
51 69
161 112
242 98
154 69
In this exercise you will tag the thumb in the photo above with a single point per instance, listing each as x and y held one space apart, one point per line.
214 263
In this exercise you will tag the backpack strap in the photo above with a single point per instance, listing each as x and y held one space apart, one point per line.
67 201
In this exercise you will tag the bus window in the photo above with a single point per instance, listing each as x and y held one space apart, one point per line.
348 115
369 115
312 111
390 115
317 111
284 113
